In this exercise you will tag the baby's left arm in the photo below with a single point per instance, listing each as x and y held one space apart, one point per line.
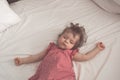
89 55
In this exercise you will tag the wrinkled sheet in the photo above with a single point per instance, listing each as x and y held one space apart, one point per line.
43 20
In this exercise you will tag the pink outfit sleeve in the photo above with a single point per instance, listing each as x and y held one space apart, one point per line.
50 46
75 51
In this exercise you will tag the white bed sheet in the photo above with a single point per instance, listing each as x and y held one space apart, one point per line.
43 20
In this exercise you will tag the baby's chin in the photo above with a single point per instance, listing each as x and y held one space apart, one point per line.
64 48
61 47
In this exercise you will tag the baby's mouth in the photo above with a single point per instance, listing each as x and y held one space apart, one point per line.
64 44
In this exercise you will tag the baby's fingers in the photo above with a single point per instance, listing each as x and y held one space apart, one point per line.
101 46
17 61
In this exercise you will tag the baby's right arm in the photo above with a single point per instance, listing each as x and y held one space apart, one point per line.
90 54
30 59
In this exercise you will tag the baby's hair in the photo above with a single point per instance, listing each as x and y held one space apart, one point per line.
76 30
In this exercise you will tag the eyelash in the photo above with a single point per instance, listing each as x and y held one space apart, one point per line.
66 38
71 42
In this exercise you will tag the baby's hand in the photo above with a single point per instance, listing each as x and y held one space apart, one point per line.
18 61
100 46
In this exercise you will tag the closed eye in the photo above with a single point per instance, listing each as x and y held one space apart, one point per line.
72 42
64 37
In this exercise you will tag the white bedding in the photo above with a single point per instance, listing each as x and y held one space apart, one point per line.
43 20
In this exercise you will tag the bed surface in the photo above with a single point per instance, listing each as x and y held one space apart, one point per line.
43 20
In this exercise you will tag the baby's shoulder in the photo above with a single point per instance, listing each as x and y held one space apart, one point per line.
52 44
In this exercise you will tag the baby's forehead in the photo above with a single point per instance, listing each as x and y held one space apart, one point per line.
72 35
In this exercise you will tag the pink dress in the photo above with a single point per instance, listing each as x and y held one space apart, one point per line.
57 65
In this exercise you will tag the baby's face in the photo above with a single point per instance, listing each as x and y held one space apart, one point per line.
67 40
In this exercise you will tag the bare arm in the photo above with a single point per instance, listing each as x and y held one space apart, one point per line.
89 55
31 58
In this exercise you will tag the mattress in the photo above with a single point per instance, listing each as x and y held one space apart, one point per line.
43 20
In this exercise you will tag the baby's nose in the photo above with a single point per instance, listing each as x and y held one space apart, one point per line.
66 40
